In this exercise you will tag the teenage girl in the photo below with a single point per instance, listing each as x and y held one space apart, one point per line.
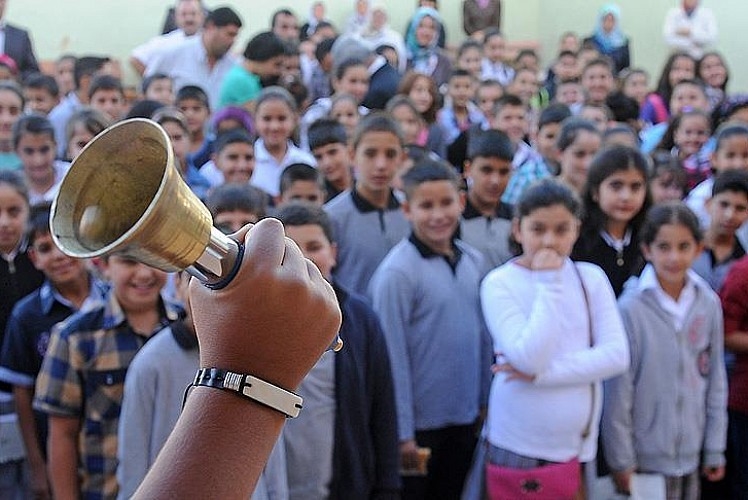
616 199
548 358
469 57
423 92
712 70
577 143
667 414
405 113
635 84
685 138
656 109
83 126
34 142
18 278
11 108
275 119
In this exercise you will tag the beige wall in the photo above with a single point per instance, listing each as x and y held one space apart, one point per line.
116 26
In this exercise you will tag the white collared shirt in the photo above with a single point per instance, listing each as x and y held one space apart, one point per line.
678 309
150 50
267 173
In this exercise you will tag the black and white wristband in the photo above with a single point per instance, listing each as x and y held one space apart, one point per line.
250 387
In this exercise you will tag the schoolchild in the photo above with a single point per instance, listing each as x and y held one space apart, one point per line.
556 334
730 153
597 80
106 94
300 182
233 206
234 158
469 57
577 143
616 200
68 287
34 143
276 119
328 143
667 180
367 217
83 126
667 414
728 210
426 294
425 95
18 278
512 116
685 137
678 67
81 381
486 219
344 108
493 66
459 113
12 103
404 111
192 101
344 444
158 87
41 93
545 138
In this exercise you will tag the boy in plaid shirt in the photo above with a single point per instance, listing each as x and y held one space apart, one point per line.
81 382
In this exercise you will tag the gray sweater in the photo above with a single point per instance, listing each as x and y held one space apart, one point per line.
668 412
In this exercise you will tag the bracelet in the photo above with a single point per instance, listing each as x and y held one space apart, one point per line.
250 387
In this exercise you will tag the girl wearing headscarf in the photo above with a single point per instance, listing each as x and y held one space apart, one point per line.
424 54
608 38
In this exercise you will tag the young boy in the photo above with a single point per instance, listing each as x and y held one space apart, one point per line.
459 113
233 206
486 220
511 117
233 159
107 95
68 287
426 294
571 93
262 66
152 401
728 210
34 143
158 87
328 144
367 217
82 376
301 182
192 101
597 80
599 114
41 92
488 92
344 444
547 165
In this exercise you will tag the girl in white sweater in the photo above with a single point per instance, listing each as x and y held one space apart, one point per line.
557 334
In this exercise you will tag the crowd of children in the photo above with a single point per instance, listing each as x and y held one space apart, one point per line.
536 267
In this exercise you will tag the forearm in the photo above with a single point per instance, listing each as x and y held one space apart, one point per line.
225 437
24 397
63 460
737 342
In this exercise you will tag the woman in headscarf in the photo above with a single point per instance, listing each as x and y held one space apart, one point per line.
608 38
424 54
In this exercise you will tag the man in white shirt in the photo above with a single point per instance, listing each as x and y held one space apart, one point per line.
189 17
690 28
202 60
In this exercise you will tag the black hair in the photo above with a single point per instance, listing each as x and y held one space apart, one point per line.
32 124
92 120
668 139
731 180
344 65
459 73
671 212
325 131
570 129
14 179
278 13
42 82
87 66
237 197
231 137
554 113
428 170
526 52
608 161
693 82
194 93
276 93
467 45
105 82
619 129
12 86
664 89
144 108
223 16
567 53
714 53
507 100
298 213
377 121
546 193
323 48
38 221
490 33
148 80
300 172
602 61
666 165
490 144
727 131
624 109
